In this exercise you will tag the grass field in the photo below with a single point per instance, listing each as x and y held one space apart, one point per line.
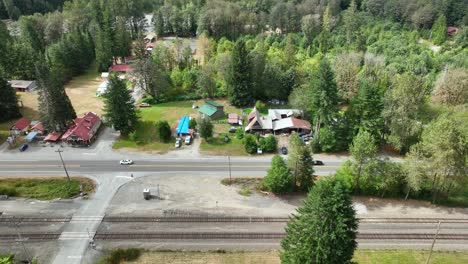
361 257
45 188
217 146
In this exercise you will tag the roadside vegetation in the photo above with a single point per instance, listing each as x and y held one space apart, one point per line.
361 256
45 188
117 256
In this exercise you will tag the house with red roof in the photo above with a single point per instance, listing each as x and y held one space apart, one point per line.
20 127
84 131
277 121
122 68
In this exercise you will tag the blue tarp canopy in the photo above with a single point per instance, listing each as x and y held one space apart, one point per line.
31 136
183 126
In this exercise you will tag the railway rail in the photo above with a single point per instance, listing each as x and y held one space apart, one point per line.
212 219
223 236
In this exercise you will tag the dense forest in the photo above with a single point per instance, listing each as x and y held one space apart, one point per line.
381 71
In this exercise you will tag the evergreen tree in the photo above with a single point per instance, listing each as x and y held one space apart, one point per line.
8 101
279 178
324 228
122 40
119 108
304 170
323 98
164 131
351 22
241 75
439 30
324 39
103 50
55 108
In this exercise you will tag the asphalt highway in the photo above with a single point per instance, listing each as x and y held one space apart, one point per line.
101 166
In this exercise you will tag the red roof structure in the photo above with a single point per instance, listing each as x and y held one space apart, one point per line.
452 30
38 126
21 124
120 68
150 45
83 129
53 137
233 118
301 123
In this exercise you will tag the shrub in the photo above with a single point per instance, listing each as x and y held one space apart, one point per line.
239 133
261 107
250 144
245 192
205 128
163 130
8 191
119 255
192 123
279 178
268 144
148 99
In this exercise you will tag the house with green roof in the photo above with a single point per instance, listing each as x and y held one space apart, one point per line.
212 110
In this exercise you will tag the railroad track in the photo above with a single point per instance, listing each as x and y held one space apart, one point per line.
211 219
222 236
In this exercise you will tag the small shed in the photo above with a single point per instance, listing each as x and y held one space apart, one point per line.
104 76
37 127
53 137
212 110
20 127
23 86
31 136
234 119
122 68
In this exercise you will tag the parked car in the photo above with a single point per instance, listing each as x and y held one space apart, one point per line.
188 140
23 147
259 151
126 162
177 142
232 130
284 150
318 162
144 105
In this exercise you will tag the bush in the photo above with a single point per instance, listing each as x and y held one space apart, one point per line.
148 99
8 191
239 133
245 192
250 144
261 107
205 128
268 144
192 123
119 255
164 131
279 178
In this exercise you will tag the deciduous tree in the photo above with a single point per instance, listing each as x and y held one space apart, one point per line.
363 150
205 128
451 87
279 178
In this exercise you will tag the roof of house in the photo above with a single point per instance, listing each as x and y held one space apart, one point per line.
208 110
452 29
21 124
252 114
38 126
291 122
233 118
277 113
120 68
53 137
22 84
265 122
82 126
150 45
150 36
183 127
213 103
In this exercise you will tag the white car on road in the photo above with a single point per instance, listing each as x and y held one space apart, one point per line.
126 162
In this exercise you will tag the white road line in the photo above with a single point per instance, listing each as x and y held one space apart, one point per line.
89 153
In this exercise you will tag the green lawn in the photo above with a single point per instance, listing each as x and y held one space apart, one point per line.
361 257
45 188
217 146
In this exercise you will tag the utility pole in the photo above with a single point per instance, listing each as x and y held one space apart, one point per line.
63 163
433 243
230 178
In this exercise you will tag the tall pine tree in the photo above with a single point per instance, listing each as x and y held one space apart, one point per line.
241 75
324 94
8 101
324 228
55 108
119 108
